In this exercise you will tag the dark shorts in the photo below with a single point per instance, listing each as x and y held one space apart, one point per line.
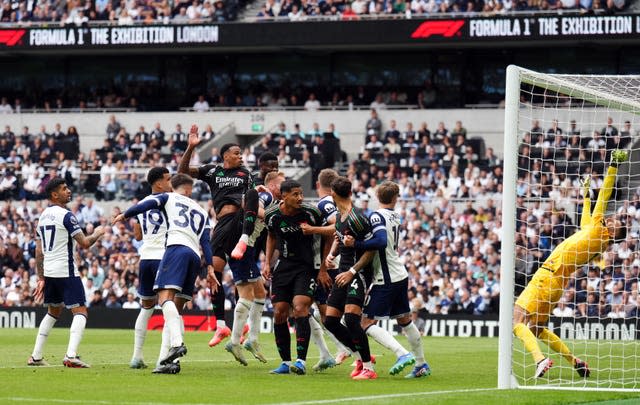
291 279
322 294
67 291
226 234
388 301
178 271
246 269
350 294
147 277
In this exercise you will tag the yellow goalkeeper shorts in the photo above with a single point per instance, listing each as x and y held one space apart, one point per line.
541 295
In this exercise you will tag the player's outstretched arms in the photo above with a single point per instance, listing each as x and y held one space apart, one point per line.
193 141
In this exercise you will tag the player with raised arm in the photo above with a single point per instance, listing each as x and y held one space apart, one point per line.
533 306
151 229
188 231
294 276
59 284
249 282
235 202
387 296
348 292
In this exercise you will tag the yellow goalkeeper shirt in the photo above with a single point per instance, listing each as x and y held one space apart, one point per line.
590 241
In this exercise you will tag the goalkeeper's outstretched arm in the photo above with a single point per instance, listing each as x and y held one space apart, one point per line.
585 219
617 157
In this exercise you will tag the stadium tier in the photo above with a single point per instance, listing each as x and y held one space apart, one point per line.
172 148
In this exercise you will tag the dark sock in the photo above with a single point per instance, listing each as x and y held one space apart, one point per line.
250 211
340 331
283 340
218 299
360 341
303 334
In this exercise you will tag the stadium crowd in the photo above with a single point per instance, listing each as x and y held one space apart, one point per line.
80 12
352 10
450 187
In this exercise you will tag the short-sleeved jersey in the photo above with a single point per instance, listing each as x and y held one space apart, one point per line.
228 186
154 233
187 221
292 244
357 225
327 209
56 228
387 267
266 201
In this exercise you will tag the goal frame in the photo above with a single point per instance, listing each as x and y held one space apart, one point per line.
515 77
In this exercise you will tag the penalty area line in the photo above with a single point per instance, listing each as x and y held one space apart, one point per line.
385 396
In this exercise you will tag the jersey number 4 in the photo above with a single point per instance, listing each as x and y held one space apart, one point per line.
51 229
191 218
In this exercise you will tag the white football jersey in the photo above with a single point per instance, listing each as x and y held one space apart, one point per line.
387 266
154 233
327 208
56 229
266 200
187 221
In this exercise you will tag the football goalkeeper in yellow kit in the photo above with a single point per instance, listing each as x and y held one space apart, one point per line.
533 306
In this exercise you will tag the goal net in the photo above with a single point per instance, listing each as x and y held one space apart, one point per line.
583 300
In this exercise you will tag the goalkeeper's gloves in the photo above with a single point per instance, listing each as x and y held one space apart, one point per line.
618 156
586 185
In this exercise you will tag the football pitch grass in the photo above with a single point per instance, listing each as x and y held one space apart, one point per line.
464 372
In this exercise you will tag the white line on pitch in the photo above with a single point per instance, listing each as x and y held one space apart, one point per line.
386 396
185 361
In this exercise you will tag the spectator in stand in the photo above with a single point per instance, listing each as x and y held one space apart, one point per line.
207 134
393 146
113 129
157 134
374 145
178 140
378 103
312 104
392 132
374 125
201 105
5 107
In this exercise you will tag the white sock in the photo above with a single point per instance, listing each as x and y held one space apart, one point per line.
75 334
368 365
172 319
140 331
317 337
240 315
255 319
43 333
244 238
415 340
304 362
220 323
385 339
164 346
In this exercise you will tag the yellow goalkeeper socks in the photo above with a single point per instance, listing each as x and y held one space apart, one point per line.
529 340
554 342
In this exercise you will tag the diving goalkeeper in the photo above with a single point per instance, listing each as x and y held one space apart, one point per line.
533 306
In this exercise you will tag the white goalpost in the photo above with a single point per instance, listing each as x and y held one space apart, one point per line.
559 130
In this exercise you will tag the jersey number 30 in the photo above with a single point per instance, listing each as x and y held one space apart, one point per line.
191 218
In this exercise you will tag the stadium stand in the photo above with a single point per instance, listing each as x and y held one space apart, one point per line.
450 182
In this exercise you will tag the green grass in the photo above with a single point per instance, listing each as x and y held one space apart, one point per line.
211 376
